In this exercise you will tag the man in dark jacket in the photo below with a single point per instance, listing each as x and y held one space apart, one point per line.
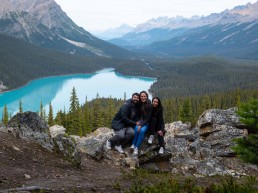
123 123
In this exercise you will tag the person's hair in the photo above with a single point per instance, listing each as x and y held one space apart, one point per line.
144 106
136 93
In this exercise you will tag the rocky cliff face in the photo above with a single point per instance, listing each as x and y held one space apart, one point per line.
43 23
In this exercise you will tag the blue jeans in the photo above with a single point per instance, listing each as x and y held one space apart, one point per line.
139 136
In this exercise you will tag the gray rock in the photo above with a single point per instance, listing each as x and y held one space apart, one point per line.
56 130
66 145
29 125
220 117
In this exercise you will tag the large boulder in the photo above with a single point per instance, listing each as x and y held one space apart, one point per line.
56 130
31 126
204 149
220 117
66 145
93 143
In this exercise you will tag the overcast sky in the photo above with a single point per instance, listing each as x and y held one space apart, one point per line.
95 15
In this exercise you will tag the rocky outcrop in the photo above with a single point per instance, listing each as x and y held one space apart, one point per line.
30 126
202 150
193 151
65 144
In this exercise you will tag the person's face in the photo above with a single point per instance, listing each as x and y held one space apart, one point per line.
143 97
155 102
135 99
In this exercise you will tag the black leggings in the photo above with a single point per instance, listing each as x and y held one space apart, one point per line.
154 131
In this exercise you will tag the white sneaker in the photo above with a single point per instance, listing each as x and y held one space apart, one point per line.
108 144
119 148
132 147
151 138
135 152
161 150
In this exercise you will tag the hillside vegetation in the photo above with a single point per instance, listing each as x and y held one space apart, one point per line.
21 62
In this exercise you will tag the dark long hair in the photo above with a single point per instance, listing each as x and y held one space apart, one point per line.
144 106
159 107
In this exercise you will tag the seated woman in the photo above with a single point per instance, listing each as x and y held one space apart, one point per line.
144 118
156 125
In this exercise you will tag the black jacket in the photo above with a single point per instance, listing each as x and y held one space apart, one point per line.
126 116
158 114
145 116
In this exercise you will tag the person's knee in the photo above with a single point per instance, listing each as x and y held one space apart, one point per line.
120 136
131 133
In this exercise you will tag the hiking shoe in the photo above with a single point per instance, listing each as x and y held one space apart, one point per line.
132 147
119 148
161 150
135 152
151 138
108 144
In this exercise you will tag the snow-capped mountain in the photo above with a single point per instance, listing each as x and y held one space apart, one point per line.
114 32
42 22
233 30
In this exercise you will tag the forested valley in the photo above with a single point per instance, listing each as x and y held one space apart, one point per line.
187 86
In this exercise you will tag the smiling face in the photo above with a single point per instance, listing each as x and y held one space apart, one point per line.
143 97
135 99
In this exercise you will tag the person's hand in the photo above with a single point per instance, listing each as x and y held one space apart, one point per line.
160 133
139 128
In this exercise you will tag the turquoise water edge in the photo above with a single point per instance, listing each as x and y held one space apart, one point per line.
57 90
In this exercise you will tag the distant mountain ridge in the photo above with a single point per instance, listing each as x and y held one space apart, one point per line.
43 23
229 33
115 32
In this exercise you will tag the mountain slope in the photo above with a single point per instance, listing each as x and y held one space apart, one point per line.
230 33
238 40
21 62
43 23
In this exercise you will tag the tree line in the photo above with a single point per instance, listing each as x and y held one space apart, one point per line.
91 115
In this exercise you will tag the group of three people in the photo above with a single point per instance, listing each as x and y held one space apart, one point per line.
133 119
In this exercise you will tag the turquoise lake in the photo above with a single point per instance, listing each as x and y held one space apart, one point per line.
57 90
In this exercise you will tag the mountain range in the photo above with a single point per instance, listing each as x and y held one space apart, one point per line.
231 33
43 23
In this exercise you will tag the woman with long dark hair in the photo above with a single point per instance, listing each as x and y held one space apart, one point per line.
144 118
156 125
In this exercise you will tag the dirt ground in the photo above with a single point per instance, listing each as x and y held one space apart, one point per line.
26 164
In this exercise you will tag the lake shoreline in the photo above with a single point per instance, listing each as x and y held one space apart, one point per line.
2 89
56 90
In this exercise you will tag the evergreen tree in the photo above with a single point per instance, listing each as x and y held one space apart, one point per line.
249 113
58 118
74 121
41 110
186 112
50 116
97 114
86 119
20 106
5 118
247 148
